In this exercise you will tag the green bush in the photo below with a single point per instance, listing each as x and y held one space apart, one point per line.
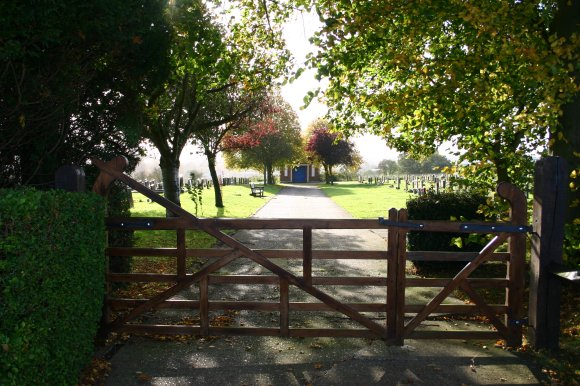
119 205
51 284
444 206
571 246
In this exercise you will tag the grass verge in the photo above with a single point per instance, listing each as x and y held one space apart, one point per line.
366 200
238 203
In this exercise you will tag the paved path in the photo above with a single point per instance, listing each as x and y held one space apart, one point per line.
314 361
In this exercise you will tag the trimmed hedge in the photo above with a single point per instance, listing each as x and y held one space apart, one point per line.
51 284
119 205
444 206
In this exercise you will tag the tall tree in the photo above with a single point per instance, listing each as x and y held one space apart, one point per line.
60 61
350 171
208 62
272 139
499 79
435 163
408 165
431 164
223 115
388 166
325 146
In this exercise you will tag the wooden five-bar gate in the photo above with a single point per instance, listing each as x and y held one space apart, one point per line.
401 319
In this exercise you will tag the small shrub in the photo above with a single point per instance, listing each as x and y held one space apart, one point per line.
195 191
119 204
571 246
51 284
444 206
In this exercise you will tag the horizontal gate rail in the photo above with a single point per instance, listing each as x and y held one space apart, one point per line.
399 320
156 223
221 305
316 254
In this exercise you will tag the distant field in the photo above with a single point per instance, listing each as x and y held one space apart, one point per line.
366 200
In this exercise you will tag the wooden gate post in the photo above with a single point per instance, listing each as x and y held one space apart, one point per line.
516 267
550 191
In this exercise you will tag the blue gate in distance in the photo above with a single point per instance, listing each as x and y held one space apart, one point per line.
299 174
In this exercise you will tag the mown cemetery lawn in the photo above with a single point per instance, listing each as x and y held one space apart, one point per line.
366 200
237 200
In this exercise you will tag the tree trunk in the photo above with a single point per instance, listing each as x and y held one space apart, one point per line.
501 171
564 25
330 176
170 175
219 202
269 175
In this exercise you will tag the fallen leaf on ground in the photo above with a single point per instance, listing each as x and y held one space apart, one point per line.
143 377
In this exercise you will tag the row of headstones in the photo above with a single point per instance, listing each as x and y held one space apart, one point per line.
206 183
417 184
235 181
152 184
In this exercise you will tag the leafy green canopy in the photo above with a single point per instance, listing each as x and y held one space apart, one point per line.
71 71
484 75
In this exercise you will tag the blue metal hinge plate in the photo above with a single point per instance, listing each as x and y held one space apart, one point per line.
496 228
130 224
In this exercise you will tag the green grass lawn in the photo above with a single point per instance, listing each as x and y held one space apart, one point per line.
237 201
366 200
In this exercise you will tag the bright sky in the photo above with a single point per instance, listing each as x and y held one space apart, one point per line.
297 32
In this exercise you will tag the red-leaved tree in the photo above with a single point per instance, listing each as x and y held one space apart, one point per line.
271 140
326 147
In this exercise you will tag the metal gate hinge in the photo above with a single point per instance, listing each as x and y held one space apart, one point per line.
130 224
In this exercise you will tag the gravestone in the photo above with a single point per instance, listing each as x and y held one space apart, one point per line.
70 178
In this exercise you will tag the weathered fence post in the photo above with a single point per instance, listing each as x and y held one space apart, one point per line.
550 191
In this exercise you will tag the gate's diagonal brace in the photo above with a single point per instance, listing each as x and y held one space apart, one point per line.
174 290
484 308
320 295
457 280
176 209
